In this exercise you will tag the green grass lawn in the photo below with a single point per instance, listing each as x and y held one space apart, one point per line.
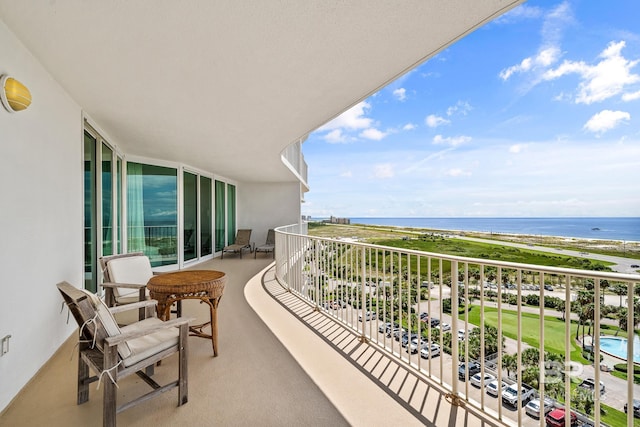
554 339
480 250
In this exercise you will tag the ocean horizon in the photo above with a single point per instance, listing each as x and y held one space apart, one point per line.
605 228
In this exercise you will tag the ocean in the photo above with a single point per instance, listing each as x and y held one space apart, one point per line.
623 229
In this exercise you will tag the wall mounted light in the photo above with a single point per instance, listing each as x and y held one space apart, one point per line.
14 95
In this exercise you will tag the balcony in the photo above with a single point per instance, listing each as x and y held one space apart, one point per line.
298 345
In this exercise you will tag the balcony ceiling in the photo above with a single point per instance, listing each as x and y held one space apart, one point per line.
225 85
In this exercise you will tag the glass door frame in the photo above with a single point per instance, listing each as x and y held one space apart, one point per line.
117 158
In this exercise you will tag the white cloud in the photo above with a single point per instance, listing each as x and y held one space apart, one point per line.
383 171
335 136
602 81
544 58
632 96
409 126
452 141
606 120
434 121
516 148
400 94
462 107
373 133
455 172
353 118
519 13
549 51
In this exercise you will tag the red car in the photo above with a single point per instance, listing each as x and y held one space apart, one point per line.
555 418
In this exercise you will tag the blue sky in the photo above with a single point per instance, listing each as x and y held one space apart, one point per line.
534 114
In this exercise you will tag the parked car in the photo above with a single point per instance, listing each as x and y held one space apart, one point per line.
555 418
434 322
511 395
385 327
548 287
533 407
479 381
635 266
461 334
367 316
427 350
636 408
406 338
396 333
464 372
492 388
444 327
590 384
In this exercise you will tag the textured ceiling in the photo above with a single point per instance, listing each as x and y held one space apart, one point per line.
222 85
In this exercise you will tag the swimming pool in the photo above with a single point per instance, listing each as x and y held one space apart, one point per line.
618 347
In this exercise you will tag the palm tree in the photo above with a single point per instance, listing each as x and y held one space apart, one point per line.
531 356
583 298
510 363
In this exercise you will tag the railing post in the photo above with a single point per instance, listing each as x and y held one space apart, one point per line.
454 326
363 309
316 268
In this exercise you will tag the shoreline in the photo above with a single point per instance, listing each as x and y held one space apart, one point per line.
624 248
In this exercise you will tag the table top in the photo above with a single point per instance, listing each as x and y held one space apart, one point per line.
187 280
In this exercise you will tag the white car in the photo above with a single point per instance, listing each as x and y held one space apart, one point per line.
492 388
478 381
533 407
432 350
368 315
444 327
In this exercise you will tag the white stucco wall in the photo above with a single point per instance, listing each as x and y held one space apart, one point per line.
262 206
41 215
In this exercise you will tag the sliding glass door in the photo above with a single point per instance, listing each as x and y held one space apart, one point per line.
206 218
190 216
102 204
152 212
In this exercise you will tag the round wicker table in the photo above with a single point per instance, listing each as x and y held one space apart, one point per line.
205 285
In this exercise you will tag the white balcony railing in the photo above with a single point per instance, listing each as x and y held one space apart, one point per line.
378 291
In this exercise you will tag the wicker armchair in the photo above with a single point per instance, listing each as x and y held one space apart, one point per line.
113 353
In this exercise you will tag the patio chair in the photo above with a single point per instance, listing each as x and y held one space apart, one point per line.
243 237
270 244
125 278
113 353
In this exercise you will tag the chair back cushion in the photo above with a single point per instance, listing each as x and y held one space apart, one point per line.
109 323
132 270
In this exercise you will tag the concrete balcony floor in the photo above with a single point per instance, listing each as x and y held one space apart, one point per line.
280 364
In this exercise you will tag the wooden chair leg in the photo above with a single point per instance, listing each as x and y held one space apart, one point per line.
109 400
183 393
83 380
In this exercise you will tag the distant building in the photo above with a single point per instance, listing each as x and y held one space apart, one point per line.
335 220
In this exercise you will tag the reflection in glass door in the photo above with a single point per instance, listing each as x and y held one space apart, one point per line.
107 201
206 218
220 215
190 212
90 216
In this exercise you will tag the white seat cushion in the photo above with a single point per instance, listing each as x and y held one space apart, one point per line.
136 349
148 345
